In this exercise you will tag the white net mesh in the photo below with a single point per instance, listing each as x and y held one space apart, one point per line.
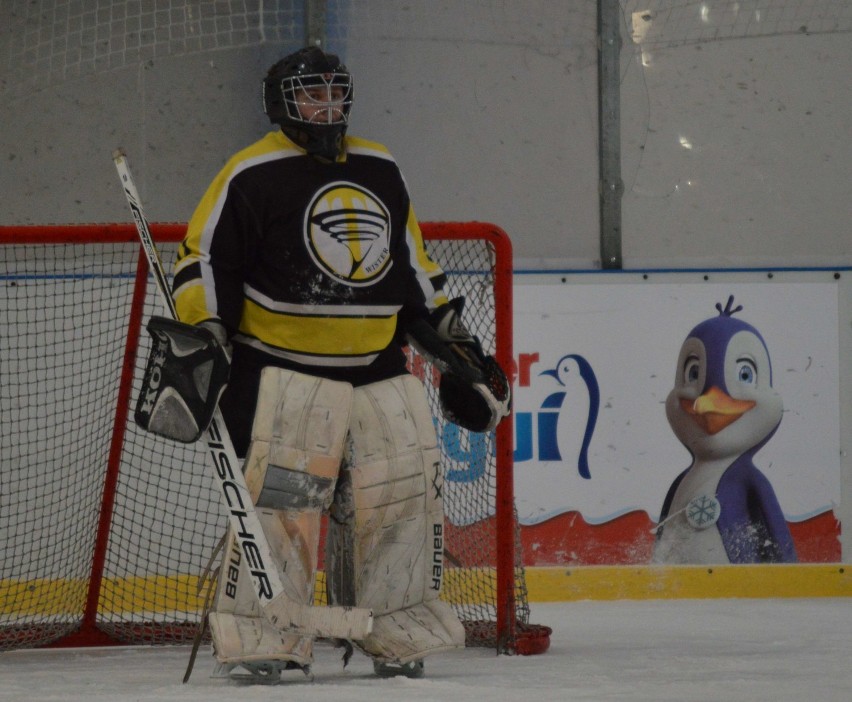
51 41
46 42
64 309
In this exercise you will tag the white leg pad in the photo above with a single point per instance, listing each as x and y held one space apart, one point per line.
241 639
414 632
292 466
291 469
394 465
240 631
300 425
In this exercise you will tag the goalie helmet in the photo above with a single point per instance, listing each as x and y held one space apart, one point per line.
309 95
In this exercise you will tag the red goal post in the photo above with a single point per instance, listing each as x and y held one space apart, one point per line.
105 530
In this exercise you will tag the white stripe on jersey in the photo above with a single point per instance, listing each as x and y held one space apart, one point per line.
310 310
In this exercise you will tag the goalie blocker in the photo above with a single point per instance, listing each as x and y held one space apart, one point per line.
473 391
186 374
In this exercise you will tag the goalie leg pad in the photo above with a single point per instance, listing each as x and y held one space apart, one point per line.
240 631
414 632
394 465
397 523
300 425
292 464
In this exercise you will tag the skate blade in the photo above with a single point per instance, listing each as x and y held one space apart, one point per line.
413 669
263 673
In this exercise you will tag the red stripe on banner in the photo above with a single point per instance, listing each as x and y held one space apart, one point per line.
568 539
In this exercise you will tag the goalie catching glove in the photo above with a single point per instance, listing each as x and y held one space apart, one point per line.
186 374
473 391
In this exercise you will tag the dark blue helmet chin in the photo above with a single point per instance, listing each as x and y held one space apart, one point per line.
309 95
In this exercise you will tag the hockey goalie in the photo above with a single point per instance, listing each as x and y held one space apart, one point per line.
302 277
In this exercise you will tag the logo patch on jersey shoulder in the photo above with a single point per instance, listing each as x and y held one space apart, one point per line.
347 232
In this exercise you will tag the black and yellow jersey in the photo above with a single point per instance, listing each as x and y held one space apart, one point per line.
314 264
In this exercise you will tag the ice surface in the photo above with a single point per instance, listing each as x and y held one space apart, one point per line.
685 650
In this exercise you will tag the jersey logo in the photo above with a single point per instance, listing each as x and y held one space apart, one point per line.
347 232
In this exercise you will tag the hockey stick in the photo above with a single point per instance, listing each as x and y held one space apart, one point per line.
283 612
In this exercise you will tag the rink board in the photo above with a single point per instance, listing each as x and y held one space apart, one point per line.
595 359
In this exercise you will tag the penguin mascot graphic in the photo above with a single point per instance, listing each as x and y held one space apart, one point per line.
723 409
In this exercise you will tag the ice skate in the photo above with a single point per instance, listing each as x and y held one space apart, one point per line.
412 669
263 672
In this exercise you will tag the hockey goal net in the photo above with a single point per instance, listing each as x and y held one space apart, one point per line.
105 530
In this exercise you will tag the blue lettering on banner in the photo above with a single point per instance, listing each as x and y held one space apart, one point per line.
474 459
548 445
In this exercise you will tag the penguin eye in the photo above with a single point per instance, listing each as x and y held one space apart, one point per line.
691 370
746 371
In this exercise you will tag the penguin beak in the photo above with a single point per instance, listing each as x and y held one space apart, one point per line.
715 410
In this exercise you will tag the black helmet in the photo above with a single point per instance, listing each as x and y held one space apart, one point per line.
309 94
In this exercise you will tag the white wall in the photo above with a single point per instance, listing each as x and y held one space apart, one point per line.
737 146
739 153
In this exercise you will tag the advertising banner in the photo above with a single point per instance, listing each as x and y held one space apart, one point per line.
675 421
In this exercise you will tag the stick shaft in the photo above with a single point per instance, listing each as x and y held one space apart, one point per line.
235 494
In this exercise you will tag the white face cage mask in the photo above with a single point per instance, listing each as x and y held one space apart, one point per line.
318 98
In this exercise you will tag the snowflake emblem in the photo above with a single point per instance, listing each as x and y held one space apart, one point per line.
703 511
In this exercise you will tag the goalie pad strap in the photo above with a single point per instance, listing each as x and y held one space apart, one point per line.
324 622
291 489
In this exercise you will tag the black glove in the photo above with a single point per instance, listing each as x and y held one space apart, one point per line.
187 372
474 391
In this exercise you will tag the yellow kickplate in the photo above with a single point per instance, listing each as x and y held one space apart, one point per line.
554 584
